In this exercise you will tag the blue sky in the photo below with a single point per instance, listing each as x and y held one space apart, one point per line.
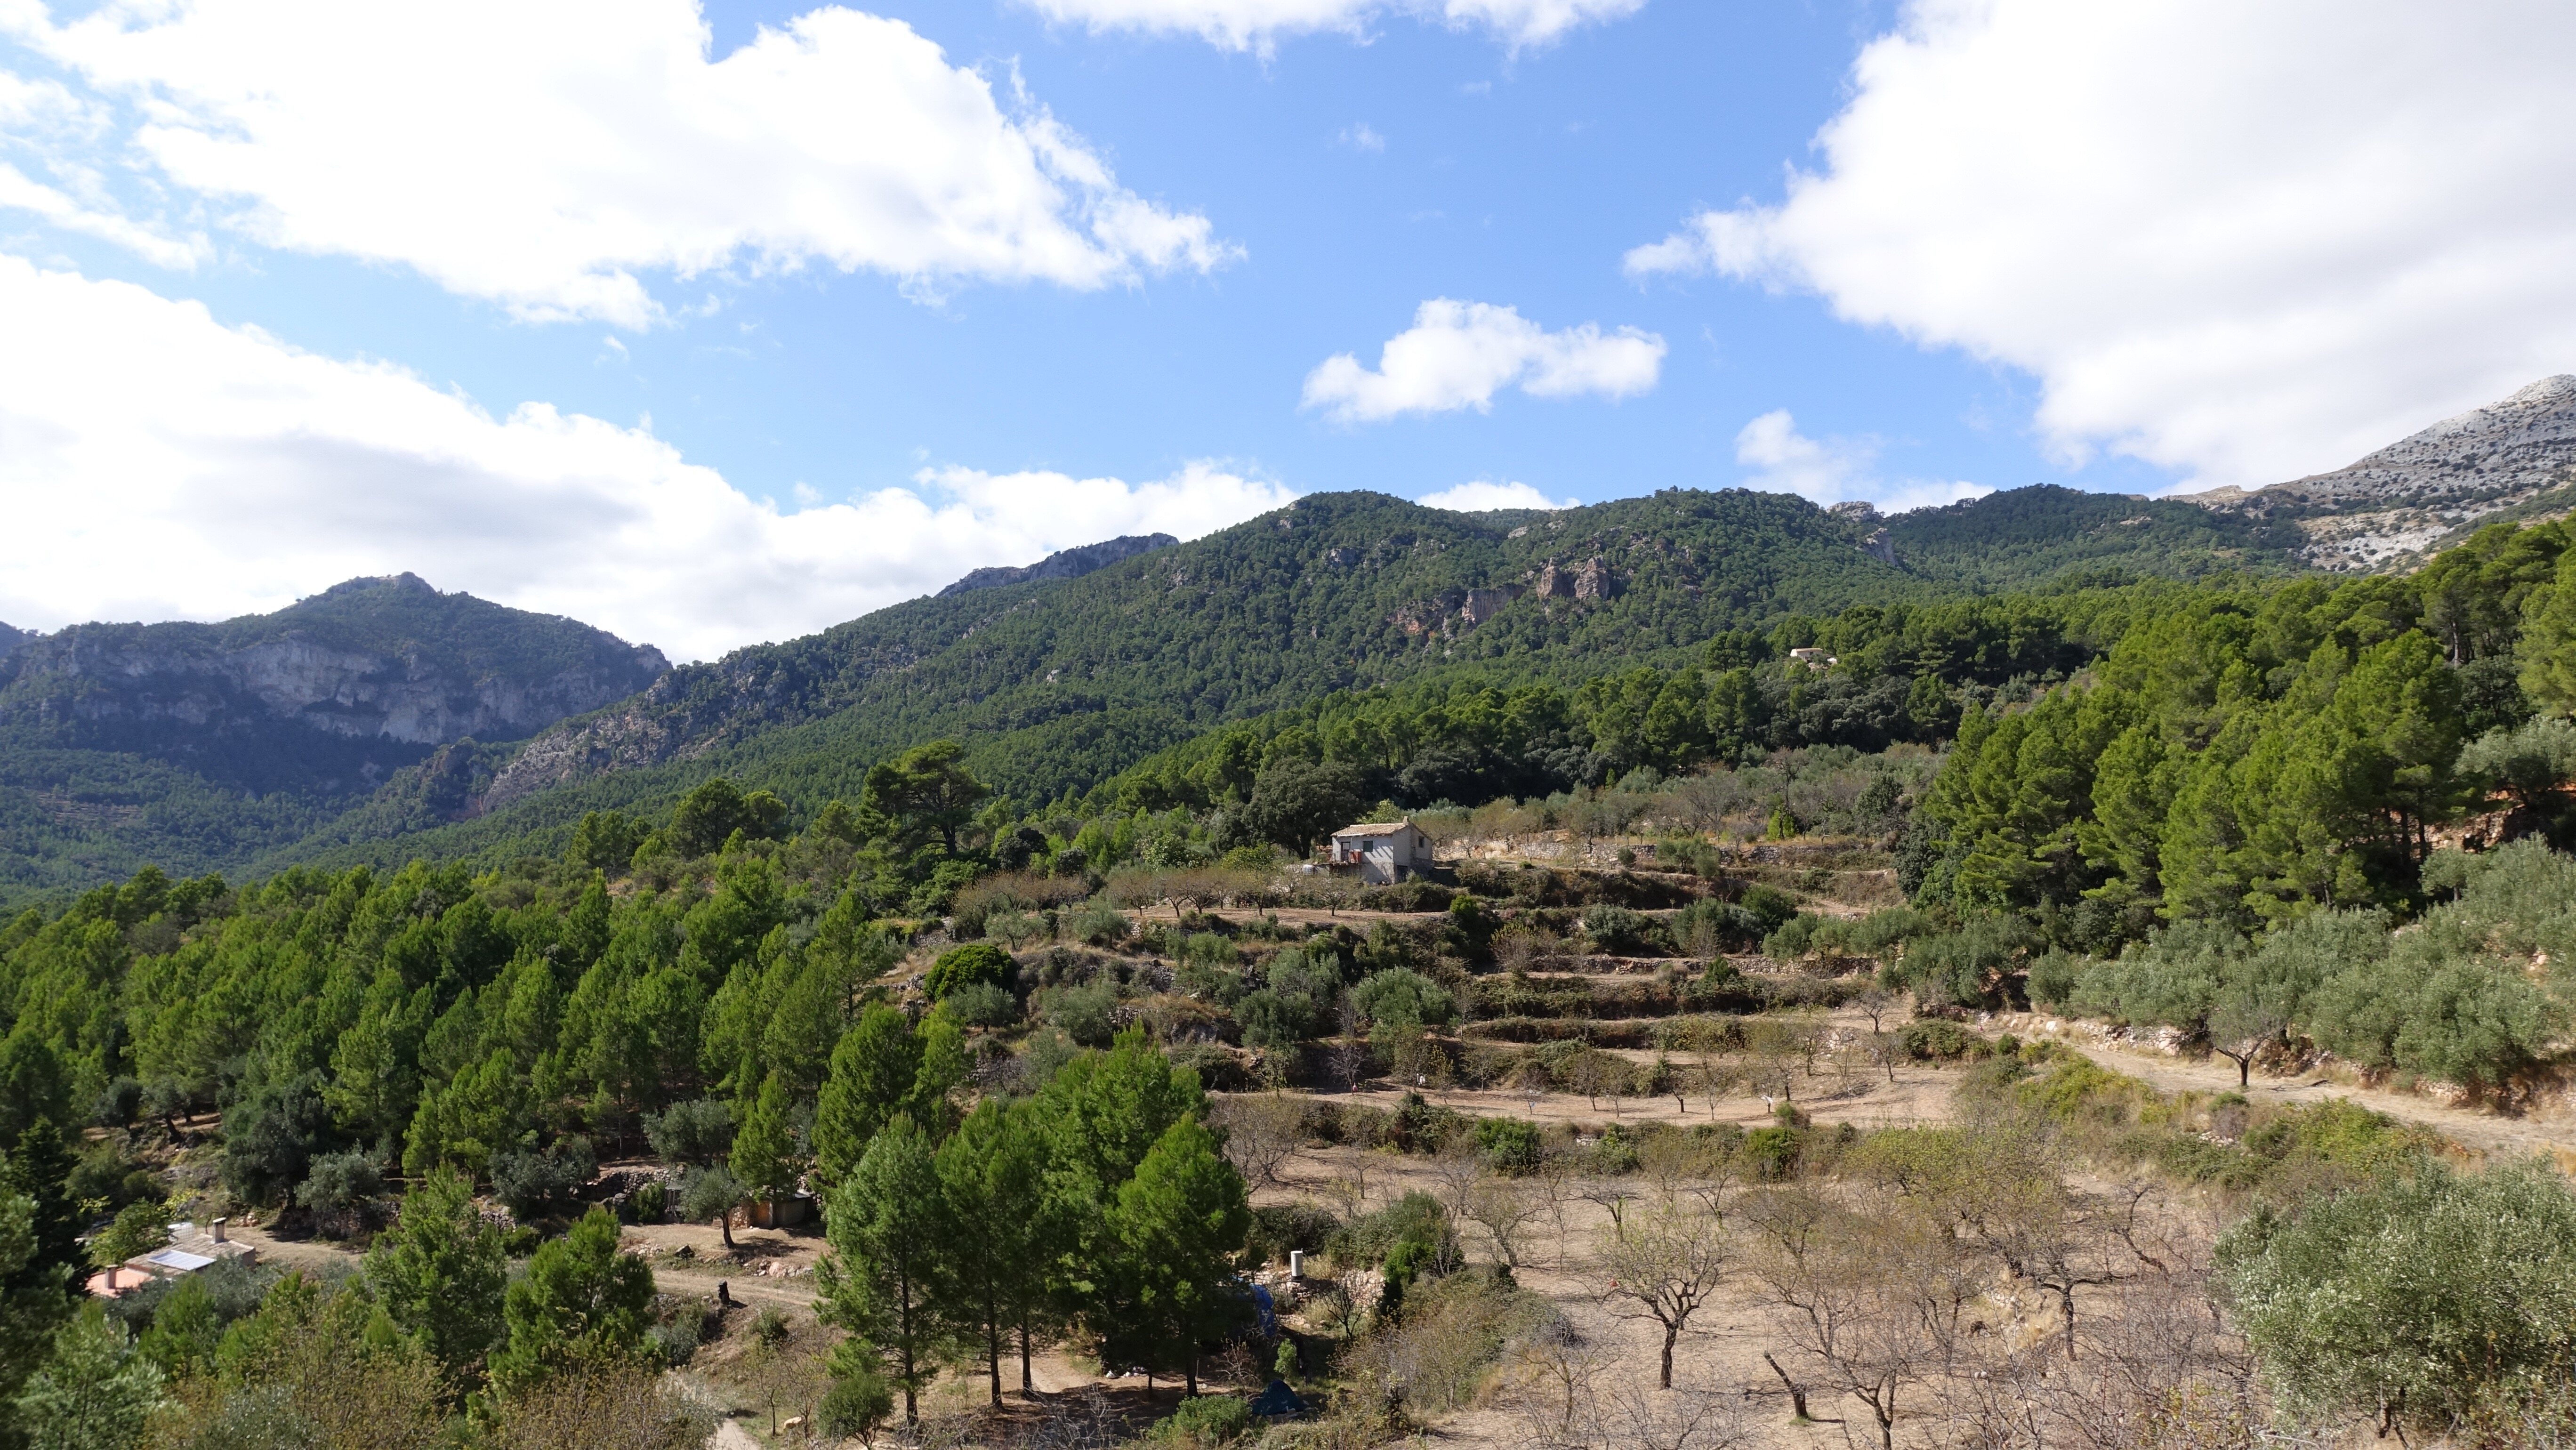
711 360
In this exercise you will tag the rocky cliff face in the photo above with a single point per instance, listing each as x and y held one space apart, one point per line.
373 662
96 675
2390 509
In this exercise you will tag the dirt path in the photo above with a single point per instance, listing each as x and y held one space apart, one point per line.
2550 1132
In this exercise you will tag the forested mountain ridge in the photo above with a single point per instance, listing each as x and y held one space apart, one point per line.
1058 686
1063 563
197 745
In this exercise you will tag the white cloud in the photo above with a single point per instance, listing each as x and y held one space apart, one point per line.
156 465
1257 25
1363 137
1833 470
555 157
1484 494
2246 242
1459 354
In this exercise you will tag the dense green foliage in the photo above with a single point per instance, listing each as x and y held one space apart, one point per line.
2414 1302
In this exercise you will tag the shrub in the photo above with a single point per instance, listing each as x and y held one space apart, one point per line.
1509 1145
533 1185
1211 983
2425 1293
1278 1228
1417 1217
109 1171
1938 1039
1615 1154
341 1188
1100 924
2052 979
1706 928
679 1327
652 1202
1404 997
855 1406
981 1004
139 1228
1206 1420
975 962
1769 907
1206 948
1087 1014
1968 967
1773 1152
1621 932
1271 1019
700 1131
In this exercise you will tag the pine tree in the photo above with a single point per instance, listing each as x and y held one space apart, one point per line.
93 1393
35 1298
763 1152
874 1068
438 1274
993 1173
1178 1224
893 1240
580 1299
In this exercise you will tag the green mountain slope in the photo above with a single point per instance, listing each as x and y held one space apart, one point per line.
201 746
1057 686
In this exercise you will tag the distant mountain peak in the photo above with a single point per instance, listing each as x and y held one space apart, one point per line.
403 583
2391 507
1064 563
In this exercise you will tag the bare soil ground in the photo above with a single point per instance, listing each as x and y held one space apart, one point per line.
2548 1129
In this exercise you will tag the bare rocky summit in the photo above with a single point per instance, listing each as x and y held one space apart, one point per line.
2390 509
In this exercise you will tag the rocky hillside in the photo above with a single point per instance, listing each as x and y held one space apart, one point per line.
2509 460
1064 563
1056 685
194 745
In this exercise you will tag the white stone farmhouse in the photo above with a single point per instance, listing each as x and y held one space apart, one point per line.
1382 854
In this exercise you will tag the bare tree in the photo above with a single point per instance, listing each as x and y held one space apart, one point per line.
2242 1023
1262 1132
1350 1191
1609 1195
1661 1264
1875 1003
1555 1373
1683 1419
1596 1072
2041 1227
1506 1209
1871 1302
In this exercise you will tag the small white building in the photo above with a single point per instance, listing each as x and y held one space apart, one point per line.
1382 854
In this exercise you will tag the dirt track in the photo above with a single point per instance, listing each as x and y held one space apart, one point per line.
2550 1131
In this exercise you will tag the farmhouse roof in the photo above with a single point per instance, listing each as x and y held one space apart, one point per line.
1376 828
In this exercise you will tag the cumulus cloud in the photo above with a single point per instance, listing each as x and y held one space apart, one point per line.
1257 25
554 158
1832 470
1484 494
1459 354
156 465
1363 137
2245 242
